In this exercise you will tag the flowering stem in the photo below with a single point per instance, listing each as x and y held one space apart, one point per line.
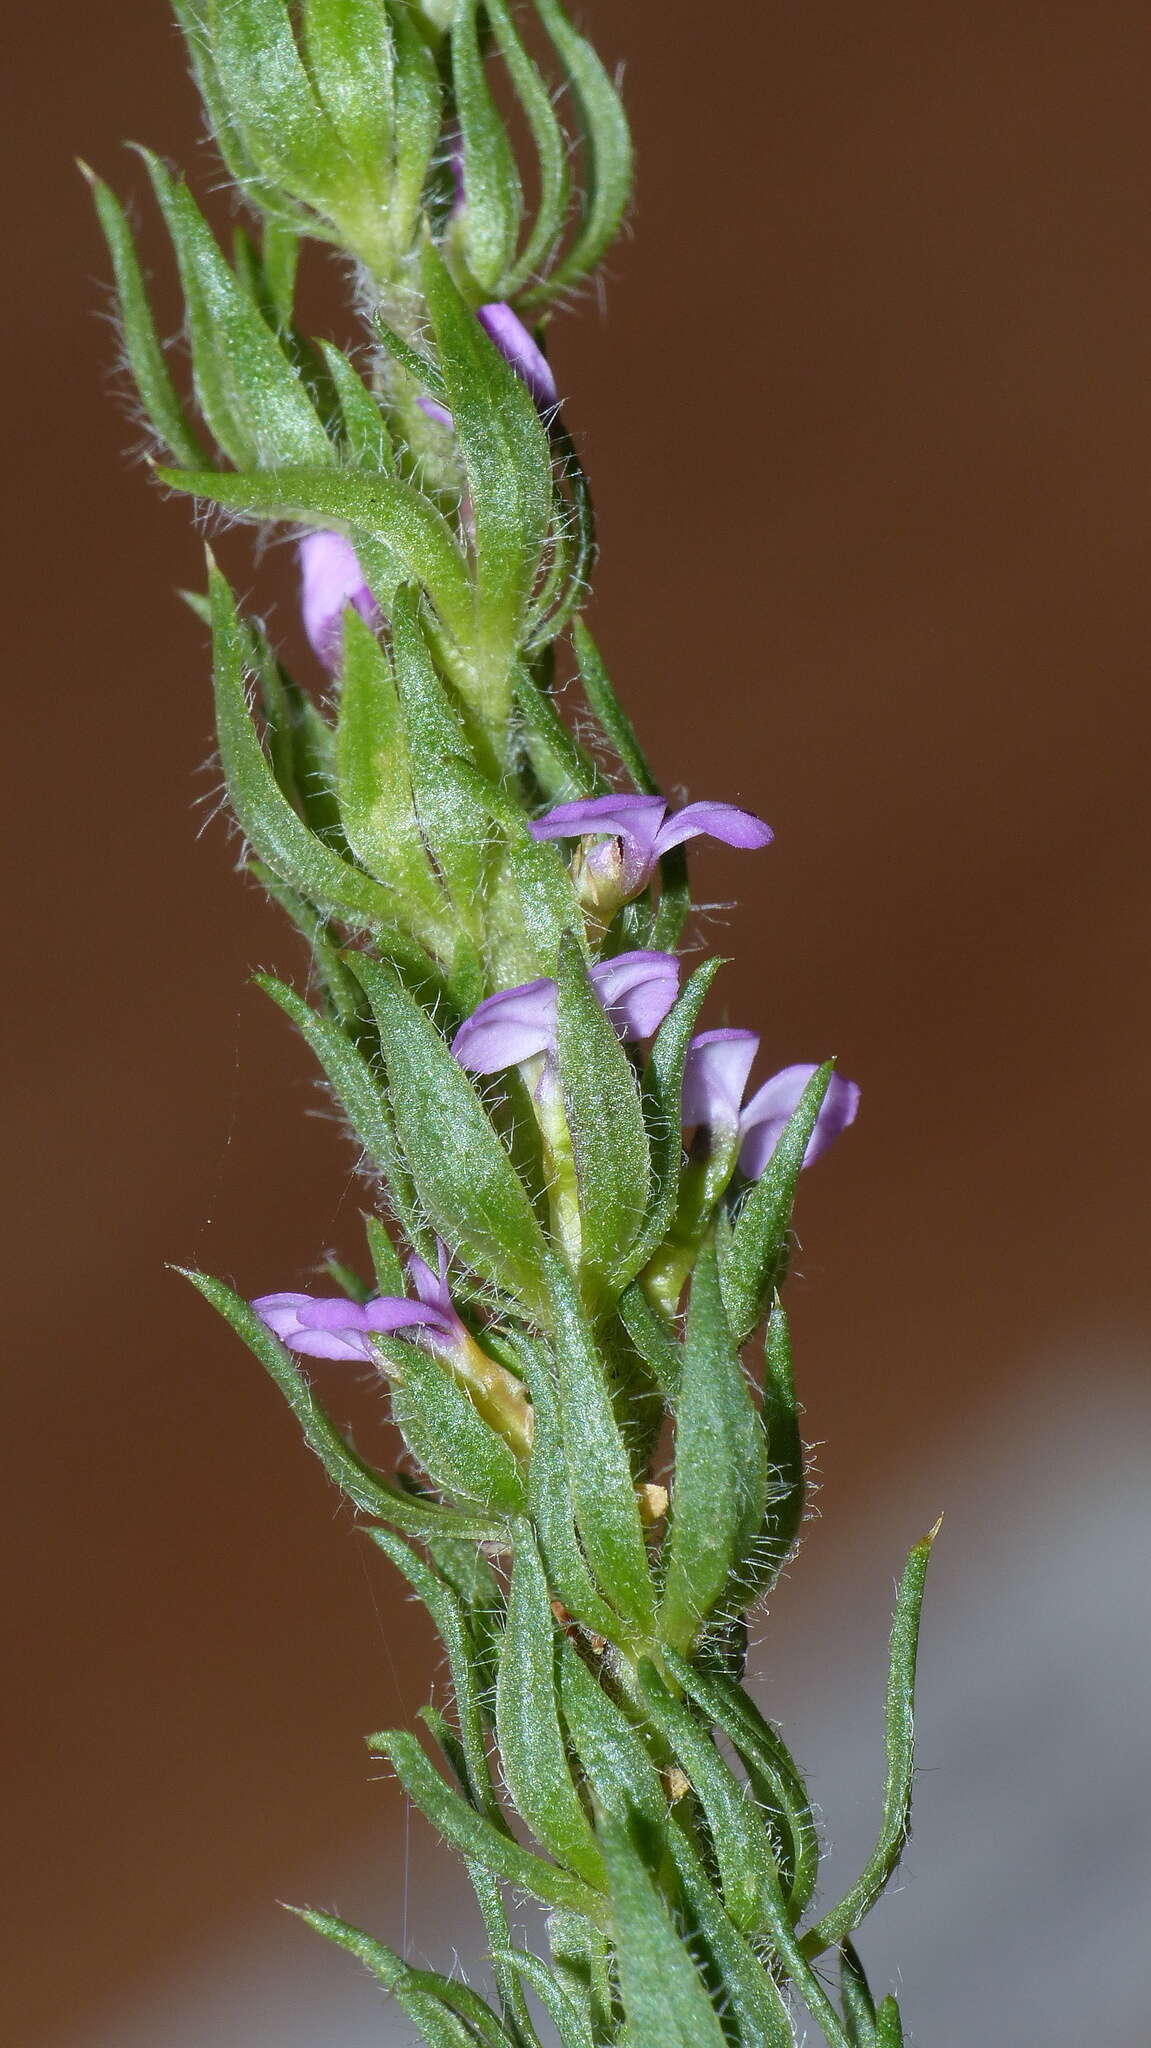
568 1267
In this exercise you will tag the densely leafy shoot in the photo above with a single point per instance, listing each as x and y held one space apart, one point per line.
595 1488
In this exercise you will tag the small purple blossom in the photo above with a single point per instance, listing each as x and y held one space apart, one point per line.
715 1076
331 579
637 831
331 1326
636 989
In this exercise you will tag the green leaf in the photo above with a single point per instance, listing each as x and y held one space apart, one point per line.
550 1500
756 1252
386 1263
605 1118
855 1996
158 394
623 1780
266 818
419 98
383 508
720 1485
663 1105
749 1995
563 2012
743 1848
456 1635
285 130
895 1827
466 1181
507 463
363 1487
532 1751
453 823
366 433
444 1430
475 1837
787 1490
360 1095
550 145
663 1995
609 713
486 226
560 765
377 805
350 56
607 150
252 398
771 1772
607 1514
448 2013
888 2025
654 1340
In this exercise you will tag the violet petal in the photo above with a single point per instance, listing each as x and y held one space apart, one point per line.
715 1075
716 821
637 990
285 1316
524 354
331 579
507 1028
771 1106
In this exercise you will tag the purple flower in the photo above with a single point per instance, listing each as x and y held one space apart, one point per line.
715 1076
331 579
636 989
524 354
322 1326
637 831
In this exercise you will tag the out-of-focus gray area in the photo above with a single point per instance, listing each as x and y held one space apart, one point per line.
1020 1915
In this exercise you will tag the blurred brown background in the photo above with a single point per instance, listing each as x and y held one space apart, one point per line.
868 423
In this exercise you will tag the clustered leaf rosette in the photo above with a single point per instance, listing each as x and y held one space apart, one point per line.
579 1225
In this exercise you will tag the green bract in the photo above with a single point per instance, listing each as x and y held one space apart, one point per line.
576 1326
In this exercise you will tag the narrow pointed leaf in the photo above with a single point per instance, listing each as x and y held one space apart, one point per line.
609 713
550 145
284 128
363 1487
454 824
448 2014
264 815
749 1994
756 1253
855 1997
720 1486
601 1480
771 1772
880 1867
158 394
350 57
458 1450
663 1994
476 1837
369 443
622 1778
382 508
550 1499
888 2025
507 462
487 223
743 1847
464 1177
607 147
377 806
250 394
532 1751
563 2012
605 1118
